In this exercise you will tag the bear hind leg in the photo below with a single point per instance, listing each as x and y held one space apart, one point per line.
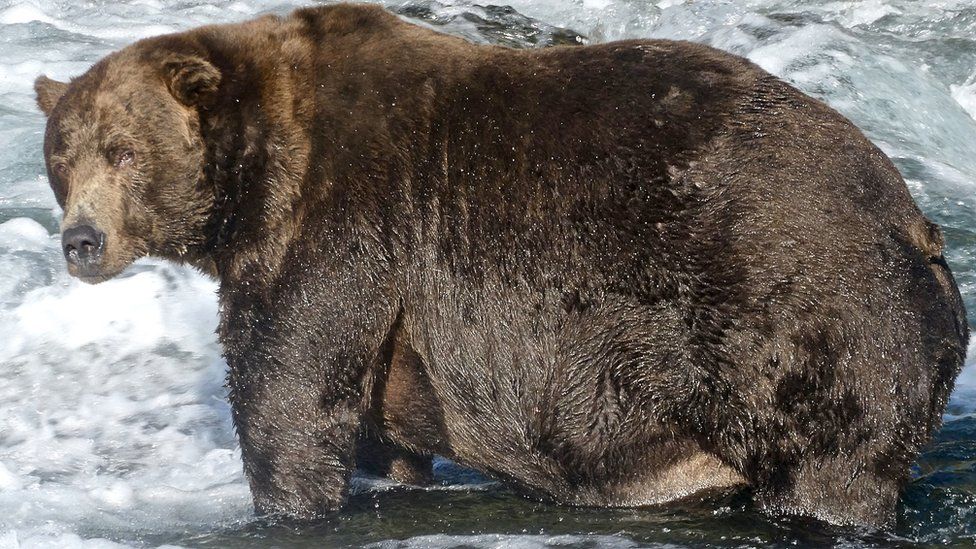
383 459
837 489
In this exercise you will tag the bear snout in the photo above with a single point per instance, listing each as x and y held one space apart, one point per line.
83 246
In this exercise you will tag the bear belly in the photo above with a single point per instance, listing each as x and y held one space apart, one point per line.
657 472
690 475
411 418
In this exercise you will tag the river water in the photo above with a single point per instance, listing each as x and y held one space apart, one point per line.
114 430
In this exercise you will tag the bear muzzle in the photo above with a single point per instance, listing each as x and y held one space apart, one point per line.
83 246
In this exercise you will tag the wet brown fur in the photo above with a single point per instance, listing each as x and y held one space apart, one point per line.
611 275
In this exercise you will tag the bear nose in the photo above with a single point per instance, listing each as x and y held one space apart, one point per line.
82 243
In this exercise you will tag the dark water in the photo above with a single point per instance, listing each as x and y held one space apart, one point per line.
937 509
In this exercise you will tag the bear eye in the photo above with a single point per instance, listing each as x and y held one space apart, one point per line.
60 169
124 157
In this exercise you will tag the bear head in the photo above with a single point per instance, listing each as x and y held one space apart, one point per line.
125 158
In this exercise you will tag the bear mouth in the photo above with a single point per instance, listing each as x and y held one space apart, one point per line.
95 279
93 276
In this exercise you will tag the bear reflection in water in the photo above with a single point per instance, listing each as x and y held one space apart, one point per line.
613 275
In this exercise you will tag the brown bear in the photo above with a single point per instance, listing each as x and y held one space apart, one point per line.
612 275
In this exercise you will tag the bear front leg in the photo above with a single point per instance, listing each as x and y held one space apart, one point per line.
297 393
297 443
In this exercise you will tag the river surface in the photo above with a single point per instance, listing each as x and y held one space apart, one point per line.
114 429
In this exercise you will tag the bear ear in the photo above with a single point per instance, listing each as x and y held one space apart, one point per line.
48 93
192 80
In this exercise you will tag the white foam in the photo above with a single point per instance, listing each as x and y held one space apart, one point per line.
965 95
597 4
113 413
852 14
134 311
24 234
12 540
23 13
791 50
